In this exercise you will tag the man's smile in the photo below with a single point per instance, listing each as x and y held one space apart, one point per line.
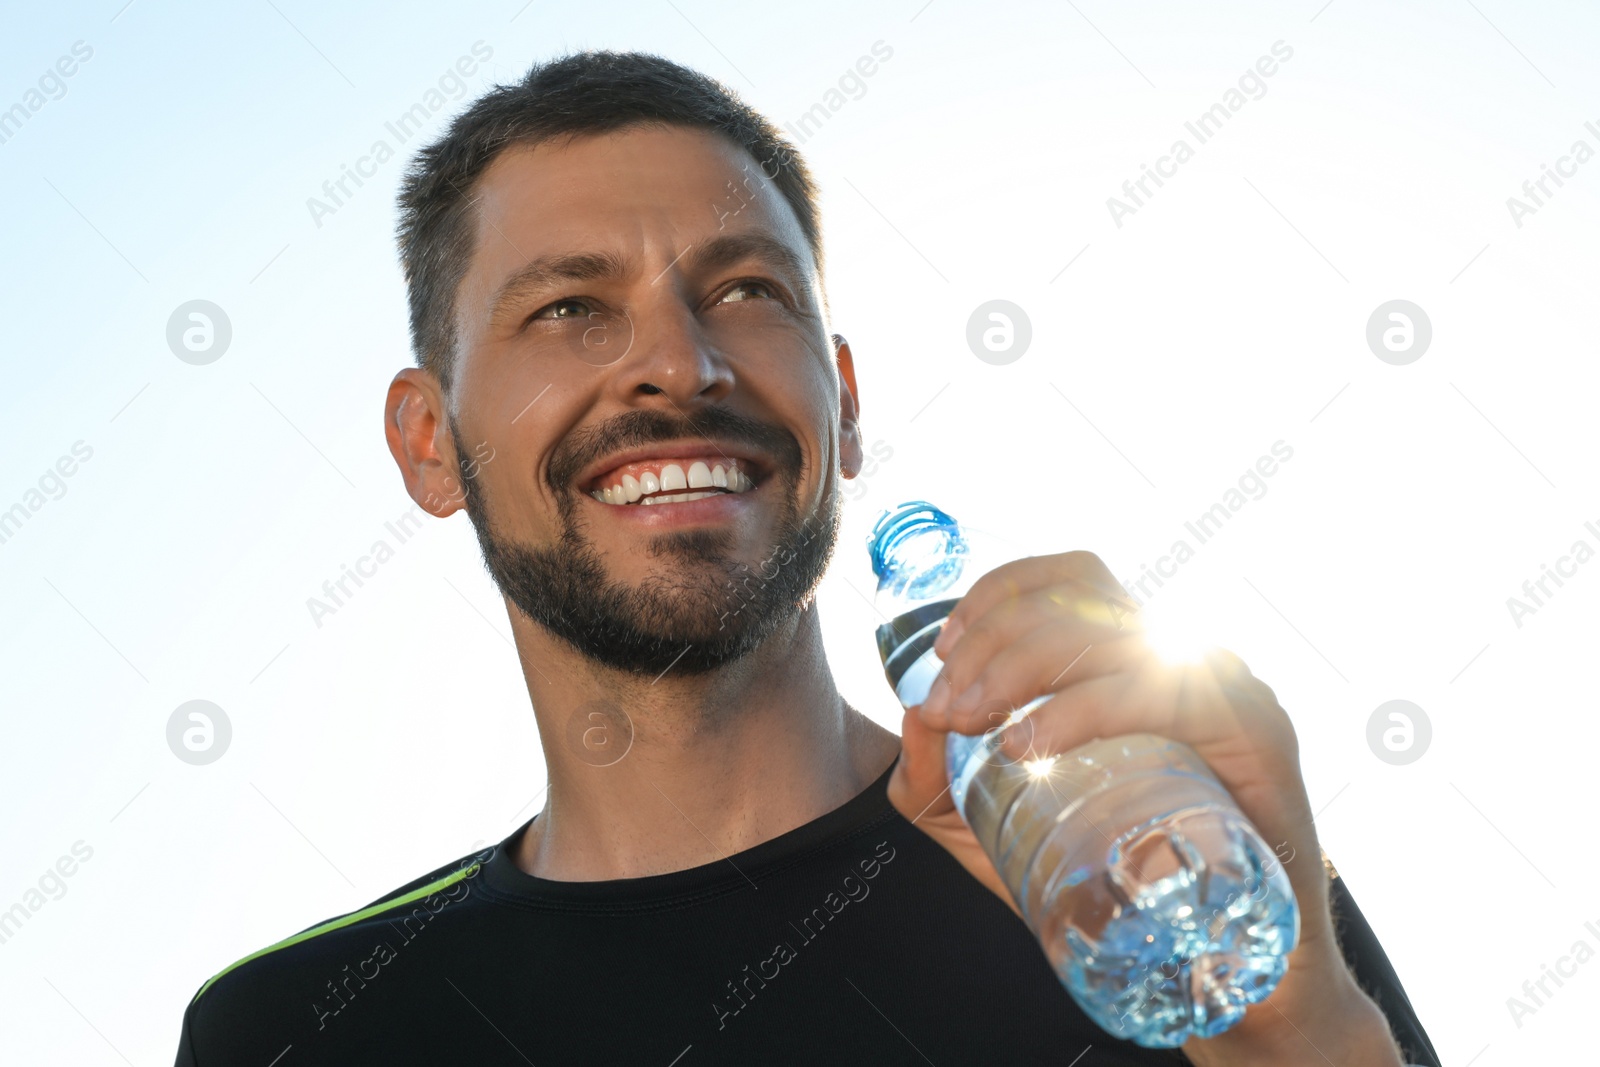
664 481
685 481
681 492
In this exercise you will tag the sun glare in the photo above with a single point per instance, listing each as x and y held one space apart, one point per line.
1039 768
1177 635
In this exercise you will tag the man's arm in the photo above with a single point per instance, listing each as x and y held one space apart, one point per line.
1008 641
1376 975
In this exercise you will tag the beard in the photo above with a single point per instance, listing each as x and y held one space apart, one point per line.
703 608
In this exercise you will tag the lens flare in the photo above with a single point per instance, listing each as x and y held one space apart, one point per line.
1178 635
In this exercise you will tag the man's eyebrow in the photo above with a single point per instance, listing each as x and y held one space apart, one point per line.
546 272
730 248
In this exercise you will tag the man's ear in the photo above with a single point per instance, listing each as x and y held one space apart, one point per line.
850 450
417 427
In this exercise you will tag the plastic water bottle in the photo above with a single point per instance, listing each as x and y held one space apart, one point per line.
1158 904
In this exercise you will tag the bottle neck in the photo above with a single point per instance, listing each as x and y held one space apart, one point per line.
906 638
919 554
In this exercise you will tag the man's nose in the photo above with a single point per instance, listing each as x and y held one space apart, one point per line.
671 362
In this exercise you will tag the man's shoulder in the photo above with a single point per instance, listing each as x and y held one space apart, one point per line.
301 965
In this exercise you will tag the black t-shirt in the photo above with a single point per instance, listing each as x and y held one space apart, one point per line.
853 939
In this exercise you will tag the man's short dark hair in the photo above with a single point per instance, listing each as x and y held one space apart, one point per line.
586 93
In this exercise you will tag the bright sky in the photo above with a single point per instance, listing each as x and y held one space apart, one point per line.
176 516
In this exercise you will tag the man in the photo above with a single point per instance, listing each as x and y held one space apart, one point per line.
626 378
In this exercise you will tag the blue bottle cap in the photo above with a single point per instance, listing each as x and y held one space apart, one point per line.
917 549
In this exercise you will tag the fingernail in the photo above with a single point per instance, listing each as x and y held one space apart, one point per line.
949 634
1010 741
968 699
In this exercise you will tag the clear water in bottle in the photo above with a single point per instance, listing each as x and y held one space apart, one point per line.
1158 904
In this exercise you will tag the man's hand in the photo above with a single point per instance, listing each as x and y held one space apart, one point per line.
1062 624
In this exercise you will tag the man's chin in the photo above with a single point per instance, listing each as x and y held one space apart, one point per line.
689 616
693 640
684 602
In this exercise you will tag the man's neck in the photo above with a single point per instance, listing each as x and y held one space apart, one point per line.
716 763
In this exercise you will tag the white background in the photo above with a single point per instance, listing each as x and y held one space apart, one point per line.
1227 314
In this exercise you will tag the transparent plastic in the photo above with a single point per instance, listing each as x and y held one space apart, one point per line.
1159 906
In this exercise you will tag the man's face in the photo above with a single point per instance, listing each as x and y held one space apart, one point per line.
643 356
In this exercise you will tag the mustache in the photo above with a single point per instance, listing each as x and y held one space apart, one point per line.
634 429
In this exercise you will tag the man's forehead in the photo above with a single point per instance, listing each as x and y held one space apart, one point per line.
622 189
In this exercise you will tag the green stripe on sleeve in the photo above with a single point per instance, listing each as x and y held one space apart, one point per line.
346 920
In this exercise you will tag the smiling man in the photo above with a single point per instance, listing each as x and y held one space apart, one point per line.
626 377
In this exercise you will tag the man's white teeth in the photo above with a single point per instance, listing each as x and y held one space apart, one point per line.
677 497
641 490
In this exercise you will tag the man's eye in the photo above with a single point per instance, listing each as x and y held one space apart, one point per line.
563 309
749 290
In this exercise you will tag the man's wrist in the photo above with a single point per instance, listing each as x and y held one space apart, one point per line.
1357 1034
1347 1030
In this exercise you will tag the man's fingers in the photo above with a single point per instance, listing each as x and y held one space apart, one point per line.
920 784
1014 668
1108 706
983 631
919 789
1023 576
1188 704
1246 739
